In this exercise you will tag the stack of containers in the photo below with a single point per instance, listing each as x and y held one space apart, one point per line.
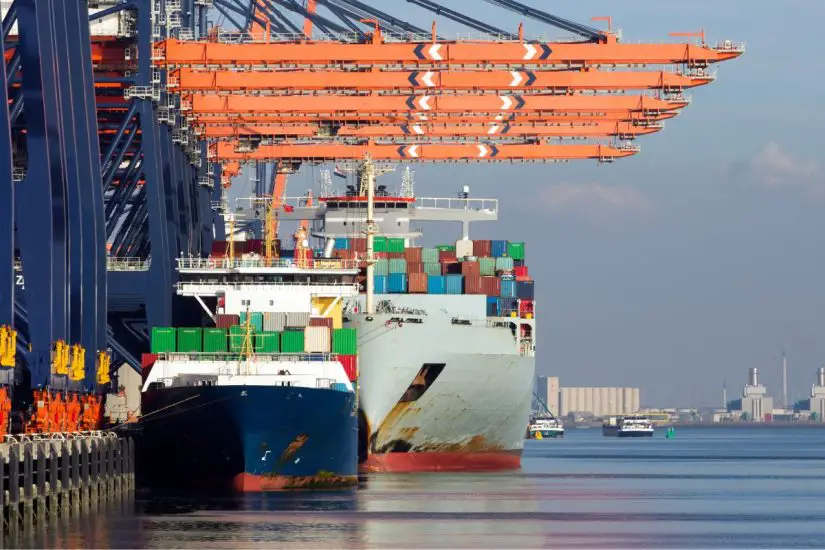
297 319
225 321
316 339
163 340
397 283
256 319
417 283
274 321
292 341
345 346
190 340
268 342
214 340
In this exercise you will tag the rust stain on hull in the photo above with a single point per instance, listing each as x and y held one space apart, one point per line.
250 483
293 447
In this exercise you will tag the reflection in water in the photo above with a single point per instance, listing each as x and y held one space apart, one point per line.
712 489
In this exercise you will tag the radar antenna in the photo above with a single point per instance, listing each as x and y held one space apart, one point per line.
408 183
326 184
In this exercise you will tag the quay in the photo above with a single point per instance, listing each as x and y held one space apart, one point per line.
60 475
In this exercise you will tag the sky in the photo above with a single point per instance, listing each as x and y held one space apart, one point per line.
678 269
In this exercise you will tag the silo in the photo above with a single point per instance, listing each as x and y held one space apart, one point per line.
586 399
604 401
637 402
627 401
613 400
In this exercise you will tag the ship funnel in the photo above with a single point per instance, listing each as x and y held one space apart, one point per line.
329 246
753 377
820 377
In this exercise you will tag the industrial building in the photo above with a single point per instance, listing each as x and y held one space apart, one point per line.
547 390
756 406
817 406
600 401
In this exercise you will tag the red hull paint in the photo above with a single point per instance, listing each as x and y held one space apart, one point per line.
250 483
443 462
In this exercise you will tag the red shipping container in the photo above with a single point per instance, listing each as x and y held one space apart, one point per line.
321 322
223 320
358 245
395 255
523 279
470 269
415 267
520 271
525 307
412 254
417 283
255 245
452 268
483 249
219 247
446 256
472 284
491 286
147 361
350 363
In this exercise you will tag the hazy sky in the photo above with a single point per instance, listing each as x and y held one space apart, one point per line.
700 257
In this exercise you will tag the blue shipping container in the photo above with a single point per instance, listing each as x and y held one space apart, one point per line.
492 306
518 263
498 249
342 244
525 290
381 284
436 284
454 284
508 288
506 306
398 283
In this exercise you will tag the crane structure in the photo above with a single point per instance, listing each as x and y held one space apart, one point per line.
125 120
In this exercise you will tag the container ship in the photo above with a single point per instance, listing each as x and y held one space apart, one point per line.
445 334
263 399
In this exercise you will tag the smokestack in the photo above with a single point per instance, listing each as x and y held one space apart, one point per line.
753 378
784 381
724 395
820 377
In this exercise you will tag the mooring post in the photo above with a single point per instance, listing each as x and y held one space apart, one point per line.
28 486
75 474
85 485
65 481
54 479
94 455
3 460
40 499
14 488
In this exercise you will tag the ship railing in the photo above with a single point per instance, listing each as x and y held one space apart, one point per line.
199 357
325 288
58 436
252 263
455 203
128 264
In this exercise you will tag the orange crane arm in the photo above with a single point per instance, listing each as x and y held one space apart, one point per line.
415 55
223 151
207 103
188 79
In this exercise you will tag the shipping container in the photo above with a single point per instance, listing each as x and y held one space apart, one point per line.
447 256
254 246
525 290
487 266
432 268
345 341
398 265
498 249
396 245
472 284
454 284
328 307
504 264
436 284
163 340
339 386
520 271
358 245
397 283
492 306
292 341
491 286
382 267
274 321
268 342
237 338
225 321
415 267
256 320
508 288
381 284
379 244
482 249
342 244
525 308
350 364
381 255
147 360
429 255
518 263
316 340
445 248
395 256
464 247
321 322
453 268
515 250
507 307
297 319
417 283
470 268
413 255
214 340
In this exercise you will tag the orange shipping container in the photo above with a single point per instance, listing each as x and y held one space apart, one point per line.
491 286
482 249
417 283
472 284
415 267
412 255
470 269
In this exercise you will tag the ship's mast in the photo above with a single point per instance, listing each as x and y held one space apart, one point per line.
784 381
368 180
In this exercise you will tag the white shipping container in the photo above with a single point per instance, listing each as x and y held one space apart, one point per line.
274 321
297 319
463 247
316 340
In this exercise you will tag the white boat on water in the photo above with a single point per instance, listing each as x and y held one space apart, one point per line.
545 427
627 426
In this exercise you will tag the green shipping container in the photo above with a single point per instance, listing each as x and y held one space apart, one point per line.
268 342
163 340
237 335
504 264
345 341
432 268
487 266
292 341
379 244
190 340
515 250
214 340
382 267
397 265
429 255
257 320
395 245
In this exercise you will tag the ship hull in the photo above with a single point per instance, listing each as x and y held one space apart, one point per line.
248 438
612 431
441 397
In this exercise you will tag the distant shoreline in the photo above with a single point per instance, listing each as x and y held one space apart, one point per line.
722 425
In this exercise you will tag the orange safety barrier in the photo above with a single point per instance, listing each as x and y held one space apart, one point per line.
5 412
